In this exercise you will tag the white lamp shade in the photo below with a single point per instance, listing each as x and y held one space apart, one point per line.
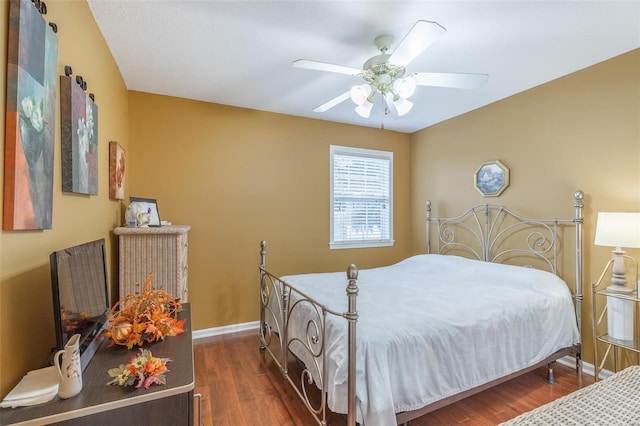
403 106
618 230
364 110
405 87
398 106
360 93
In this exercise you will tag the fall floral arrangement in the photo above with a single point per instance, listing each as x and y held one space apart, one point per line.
145 317
145 369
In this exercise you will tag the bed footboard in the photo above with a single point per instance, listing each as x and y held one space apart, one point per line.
277 307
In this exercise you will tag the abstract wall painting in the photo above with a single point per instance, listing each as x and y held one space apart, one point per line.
79 138
30 119
116 171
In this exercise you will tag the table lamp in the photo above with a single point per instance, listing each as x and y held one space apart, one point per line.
619 230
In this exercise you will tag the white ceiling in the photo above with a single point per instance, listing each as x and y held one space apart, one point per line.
239 53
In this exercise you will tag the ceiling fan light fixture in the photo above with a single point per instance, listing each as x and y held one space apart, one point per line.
360 93
385 74
364 109
405 87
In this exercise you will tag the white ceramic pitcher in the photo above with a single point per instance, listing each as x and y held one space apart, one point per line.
69 369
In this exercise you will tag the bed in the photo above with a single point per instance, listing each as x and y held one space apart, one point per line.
483 305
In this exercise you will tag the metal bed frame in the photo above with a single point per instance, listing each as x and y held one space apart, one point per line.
486 232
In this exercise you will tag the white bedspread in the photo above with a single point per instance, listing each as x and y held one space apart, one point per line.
432 326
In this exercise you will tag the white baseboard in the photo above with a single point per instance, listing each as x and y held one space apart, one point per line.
227 329
587 368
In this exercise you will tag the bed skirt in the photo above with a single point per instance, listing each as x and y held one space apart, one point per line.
612 401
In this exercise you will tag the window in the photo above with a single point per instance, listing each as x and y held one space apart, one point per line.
361 198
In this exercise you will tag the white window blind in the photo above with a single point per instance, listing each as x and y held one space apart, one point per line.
361 198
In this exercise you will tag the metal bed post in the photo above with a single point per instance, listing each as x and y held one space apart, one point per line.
579 220
486 234
428 226
352 317
284 338
263 265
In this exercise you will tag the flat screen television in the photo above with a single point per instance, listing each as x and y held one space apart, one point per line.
80 296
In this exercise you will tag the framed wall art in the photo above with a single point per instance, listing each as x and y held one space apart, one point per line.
492 178
79 138
116 171
32 60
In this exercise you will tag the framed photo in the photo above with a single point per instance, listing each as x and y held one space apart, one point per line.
150 205
492 178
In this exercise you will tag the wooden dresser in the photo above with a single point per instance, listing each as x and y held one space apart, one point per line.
98 404
160 250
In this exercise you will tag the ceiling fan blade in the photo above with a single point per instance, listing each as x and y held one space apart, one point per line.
419 37
321 66
333 102
454 80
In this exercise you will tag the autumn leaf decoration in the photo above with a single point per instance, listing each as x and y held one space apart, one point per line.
146 317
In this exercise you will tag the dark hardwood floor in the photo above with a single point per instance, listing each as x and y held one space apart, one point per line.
241 387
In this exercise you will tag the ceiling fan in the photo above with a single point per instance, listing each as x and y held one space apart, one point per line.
385 73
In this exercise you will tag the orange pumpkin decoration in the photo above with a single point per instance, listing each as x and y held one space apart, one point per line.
122 330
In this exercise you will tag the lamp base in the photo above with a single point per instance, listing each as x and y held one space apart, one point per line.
620 315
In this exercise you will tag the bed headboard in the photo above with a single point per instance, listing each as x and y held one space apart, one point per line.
493 233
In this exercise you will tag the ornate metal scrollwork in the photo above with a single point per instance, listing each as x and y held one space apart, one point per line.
493 233
313 345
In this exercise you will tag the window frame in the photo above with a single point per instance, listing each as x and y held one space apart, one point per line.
359 153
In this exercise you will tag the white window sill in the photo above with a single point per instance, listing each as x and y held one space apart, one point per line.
361 244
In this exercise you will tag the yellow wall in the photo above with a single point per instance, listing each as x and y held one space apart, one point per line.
577 132
238 176
26 310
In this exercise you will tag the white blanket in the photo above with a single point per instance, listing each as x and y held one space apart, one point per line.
432 326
